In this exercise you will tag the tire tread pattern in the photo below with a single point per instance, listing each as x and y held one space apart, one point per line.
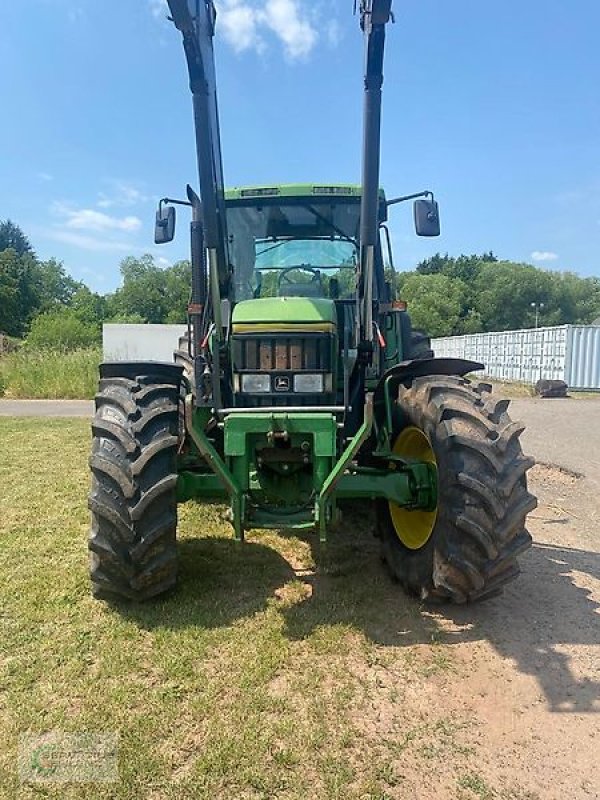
132 541
483 496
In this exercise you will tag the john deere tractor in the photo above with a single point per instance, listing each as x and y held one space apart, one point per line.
301 382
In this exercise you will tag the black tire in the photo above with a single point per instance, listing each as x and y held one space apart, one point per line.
415 343
185 360
134 475
420 345
483 499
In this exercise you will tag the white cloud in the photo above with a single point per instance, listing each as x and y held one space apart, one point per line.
123 194
159 8
239 23
92 230
86 242
544 255
45 176
247 24
88 219
295 31
333 29
244 25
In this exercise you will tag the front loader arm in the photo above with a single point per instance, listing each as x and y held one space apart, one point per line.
195 19
374 16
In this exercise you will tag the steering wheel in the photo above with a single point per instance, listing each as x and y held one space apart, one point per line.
284 274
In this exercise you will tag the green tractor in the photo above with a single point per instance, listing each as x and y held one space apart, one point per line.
301 383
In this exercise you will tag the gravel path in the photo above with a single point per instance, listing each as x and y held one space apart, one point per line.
562 432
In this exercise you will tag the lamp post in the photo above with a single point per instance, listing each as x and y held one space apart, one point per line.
539 307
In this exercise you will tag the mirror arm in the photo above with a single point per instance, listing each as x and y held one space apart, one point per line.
167 201
394 201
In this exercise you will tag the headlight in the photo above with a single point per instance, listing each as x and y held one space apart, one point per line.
308 384
256 384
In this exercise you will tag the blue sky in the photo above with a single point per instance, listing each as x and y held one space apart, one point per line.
493 105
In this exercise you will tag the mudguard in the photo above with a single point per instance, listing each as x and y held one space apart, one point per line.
164 371
407 371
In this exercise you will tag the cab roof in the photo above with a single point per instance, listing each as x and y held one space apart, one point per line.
284 190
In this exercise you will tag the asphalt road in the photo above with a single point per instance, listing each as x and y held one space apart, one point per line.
562 432
46 408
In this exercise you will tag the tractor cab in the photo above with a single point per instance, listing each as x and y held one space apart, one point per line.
295 252
294 241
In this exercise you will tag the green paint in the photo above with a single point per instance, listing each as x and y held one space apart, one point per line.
216 463
329 484
285 309
340 191
321 427
282 470
196 486
371 485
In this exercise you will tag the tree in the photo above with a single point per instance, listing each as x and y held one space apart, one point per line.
62 329
504 293
178 285
463 267
152 293
13 238
28 286
89 306
19 291
435 302
10 321
56 288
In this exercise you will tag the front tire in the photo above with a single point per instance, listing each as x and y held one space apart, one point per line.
133 499
470 551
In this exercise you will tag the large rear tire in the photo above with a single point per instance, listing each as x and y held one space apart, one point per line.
133 500
184 359
467 550
420 345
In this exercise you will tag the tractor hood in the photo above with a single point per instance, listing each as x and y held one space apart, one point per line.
284 314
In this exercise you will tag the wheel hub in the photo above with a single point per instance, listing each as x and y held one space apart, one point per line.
413 527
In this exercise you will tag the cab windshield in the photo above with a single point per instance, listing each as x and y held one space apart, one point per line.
296 250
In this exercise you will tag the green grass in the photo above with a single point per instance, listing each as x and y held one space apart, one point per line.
50 374
476 785
275 670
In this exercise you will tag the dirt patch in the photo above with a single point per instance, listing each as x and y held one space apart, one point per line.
554 474
501 701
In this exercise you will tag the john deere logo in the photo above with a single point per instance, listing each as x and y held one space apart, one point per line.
282 383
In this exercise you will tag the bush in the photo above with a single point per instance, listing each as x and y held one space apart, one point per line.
125 319
50 374
62 330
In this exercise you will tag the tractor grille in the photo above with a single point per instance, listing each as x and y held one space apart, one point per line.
283 357
290 354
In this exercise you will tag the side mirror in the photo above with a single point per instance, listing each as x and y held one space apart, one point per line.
427 218
164 230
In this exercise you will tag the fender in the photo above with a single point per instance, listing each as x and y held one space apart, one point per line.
166 371
407 371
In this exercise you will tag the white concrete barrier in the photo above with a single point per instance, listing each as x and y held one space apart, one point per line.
140 342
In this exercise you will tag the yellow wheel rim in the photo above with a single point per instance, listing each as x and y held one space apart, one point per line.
413 528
